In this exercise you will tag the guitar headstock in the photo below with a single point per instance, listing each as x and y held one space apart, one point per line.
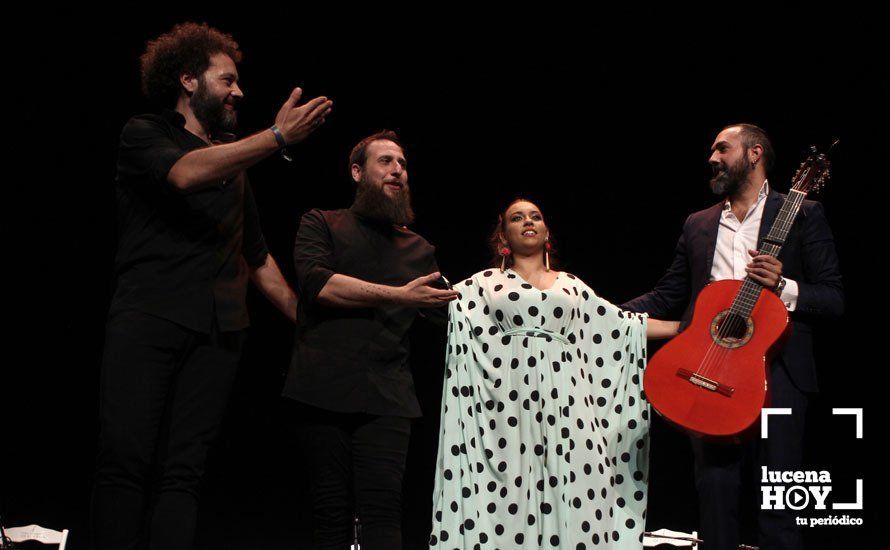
813 174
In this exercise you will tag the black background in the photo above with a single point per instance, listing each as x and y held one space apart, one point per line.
604 118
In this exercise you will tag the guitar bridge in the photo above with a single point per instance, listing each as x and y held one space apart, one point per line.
706 383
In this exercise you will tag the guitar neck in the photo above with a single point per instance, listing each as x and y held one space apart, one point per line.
770 245
775 239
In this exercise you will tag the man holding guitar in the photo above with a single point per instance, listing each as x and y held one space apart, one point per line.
723 242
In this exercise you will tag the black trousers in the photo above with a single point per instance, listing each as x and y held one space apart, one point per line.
356 463
163 392
722 469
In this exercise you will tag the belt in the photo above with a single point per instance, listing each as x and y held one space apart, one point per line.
537 333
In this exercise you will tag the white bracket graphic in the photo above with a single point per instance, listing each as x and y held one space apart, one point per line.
851 505
854 412
764 419
858 504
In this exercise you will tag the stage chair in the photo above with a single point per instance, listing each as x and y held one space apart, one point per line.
37 533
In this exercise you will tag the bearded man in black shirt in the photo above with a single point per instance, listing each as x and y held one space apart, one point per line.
189 239
363 276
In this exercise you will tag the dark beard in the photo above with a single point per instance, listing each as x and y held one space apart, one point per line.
731 180
211 112
373 202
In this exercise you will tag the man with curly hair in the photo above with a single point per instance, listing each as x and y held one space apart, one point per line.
189 239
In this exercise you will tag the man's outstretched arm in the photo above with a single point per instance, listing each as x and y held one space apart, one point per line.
671 292
318 280
345 291
209 165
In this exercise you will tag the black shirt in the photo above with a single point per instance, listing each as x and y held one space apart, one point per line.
354 359
181 256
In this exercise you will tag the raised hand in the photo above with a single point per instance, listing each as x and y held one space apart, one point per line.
297 122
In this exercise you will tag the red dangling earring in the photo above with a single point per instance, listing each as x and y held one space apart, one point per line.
504 252
547 254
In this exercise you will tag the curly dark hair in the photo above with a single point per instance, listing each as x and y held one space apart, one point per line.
494 239
187 48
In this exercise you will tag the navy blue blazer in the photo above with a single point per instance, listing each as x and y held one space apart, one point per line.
808 257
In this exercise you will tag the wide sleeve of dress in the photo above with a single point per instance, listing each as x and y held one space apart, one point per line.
459 452
616 342
544 426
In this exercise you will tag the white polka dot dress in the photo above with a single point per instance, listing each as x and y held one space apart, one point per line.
544 438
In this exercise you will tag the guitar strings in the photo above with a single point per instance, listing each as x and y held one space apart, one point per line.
748 296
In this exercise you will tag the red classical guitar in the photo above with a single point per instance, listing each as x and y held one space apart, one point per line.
711 379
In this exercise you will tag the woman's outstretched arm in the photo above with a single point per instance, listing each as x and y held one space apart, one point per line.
656 329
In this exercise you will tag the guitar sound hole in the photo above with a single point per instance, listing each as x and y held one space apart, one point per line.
731 330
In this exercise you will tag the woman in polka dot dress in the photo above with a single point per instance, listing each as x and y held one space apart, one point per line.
544 437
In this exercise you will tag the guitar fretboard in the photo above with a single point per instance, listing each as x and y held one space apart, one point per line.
771 245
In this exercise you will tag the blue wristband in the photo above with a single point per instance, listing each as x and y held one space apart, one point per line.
278 137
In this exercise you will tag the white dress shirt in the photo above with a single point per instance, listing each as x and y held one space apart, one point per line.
735 238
